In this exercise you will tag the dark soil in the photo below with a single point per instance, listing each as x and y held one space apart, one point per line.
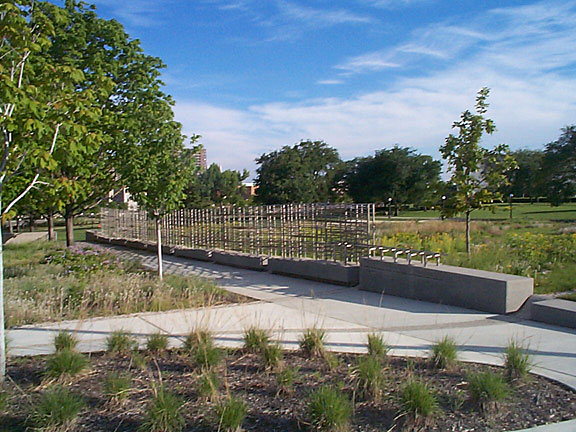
532 402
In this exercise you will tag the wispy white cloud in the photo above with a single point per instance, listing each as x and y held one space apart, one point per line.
330 82
137 13
526 55
319 17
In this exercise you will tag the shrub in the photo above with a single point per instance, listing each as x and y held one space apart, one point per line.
256 340
330 360
369 377
157 343
418 401
65 340
65 363
376 346
312 342
117 386
3 400
329 409
230 414
517 361
164 413
272 355
285 378
444 353
209 385
57 409
120 342
207 356
487 389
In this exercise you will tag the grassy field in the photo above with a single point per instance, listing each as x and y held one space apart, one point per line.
44 281
520 212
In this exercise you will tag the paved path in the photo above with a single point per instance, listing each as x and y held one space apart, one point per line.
286 306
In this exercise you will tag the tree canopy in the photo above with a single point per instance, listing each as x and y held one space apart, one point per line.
398 173
301 173
559 167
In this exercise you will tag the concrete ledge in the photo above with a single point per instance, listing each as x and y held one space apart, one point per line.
240 260
136 244
118 241
27 237
556 311
195 254
323 271
457 286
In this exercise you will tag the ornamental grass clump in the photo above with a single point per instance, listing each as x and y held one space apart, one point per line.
377 347
256 340
230 413
517 361
272 356
312 342
418 402
329 409
285 378
65 364
164 413
444 353
117 386
369 377
200 346
209 385
56 410
120 342
65 340
157 343
487 389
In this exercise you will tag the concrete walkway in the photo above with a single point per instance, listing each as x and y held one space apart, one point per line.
286 306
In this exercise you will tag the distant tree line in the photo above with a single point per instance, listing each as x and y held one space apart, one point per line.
312 171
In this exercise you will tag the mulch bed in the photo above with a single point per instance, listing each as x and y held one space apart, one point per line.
532 402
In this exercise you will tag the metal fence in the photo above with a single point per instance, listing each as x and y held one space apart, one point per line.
338 232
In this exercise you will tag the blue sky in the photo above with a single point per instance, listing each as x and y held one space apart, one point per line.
253 75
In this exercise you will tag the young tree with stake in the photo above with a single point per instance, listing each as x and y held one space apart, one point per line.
478 174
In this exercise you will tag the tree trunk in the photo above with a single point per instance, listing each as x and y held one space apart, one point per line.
468 232
2 331
10 227
69 228
159 246
51 233
32 223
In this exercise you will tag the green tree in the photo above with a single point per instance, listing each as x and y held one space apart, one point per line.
302 173
398 173
155 166
214 186
38 102
559 167
524 180
478 174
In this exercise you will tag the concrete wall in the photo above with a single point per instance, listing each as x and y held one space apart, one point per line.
456 286
323 271
195 254
556 311
241 260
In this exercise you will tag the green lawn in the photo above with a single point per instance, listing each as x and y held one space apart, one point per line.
520 212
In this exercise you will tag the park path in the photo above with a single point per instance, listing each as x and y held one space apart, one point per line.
286 306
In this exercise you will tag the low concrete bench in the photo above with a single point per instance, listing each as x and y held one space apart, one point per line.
556 311
195 254
457 286
240 260
323 271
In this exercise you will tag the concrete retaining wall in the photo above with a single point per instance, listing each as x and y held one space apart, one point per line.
556 311
456 286
195 254
323 271
241 260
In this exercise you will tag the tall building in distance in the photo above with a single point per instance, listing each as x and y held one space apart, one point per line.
200 158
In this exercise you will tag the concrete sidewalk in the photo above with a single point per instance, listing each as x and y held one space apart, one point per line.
287 306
